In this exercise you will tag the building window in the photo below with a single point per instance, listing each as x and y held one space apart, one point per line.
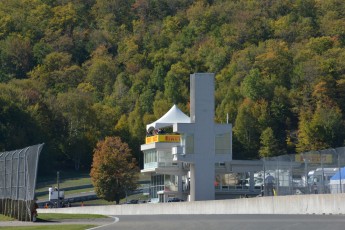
187 141
223 143
171 183
165 156
157 184
150 159
150 156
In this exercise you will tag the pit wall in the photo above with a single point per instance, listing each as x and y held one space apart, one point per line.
302 204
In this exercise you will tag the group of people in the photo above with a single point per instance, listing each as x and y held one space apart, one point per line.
155 132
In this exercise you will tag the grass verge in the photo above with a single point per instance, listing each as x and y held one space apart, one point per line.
64 183
42 217
5 218
71 192
62 216
104 202
48 227
46 217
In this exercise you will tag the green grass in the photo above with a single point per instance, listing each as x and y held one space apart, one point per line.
69 179
70 192
51 176
77 179
49 217
104 202
93 202
58 216
70 182
5 218
43 217
62 216
51 227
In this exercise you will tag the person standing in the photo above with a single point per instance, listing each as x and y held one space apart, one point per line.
269 183
315 188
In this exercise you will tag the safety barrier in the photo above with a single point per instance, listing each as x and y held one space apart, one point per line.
301 204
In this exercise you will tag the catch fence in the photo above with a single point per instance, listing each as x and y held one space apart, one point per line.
314 172
18 172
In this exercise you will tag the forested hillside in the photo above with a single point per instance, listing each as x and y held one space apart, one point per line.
75 71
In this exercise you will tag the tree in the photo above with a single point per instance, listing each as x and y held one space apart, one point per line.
57 73
114 171
253 87
15 57
76 108
246 130
176 83
321 129
269 144
101 72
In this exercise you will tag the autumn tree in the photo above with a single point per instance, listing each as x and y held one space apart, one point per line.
246 130
114 171
322 129
269 144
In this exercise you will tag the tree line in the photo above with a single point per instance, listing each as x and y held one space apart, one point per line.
73 72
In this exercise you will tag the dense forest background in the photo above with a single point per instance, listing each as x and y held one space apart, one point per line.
75 71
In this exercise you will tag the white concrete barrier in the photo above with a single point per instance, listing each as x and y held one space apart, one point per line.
297 204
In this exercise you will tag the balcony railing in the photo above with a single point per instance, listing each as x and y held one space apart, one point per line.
163 138
153 165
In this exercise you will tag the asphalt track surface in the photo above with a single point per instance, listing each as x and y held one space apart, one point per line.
206 222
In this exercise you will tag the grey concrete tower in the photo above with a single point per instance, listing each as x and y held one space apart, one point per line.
199 138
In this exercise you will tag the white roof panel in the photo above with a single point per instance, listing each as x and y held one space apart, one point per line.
174 115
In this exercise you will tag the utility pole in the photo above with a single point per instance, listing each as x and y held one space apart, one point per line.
58 189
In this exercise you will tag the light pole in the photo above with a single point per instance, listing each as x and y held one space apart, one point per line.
58 189
339 168
306 173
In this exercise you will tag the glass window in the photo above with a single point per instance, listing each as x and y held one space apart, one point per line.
187 141
150 156
157 184
223 145
165 156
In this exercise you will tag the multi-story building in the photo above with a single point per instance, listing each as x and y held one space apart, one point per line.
193 160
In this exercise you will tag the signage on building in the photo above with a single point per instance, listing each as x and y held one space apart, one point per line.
163 138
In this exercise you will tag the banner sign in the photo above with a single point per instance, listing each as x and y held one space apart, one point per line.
162 138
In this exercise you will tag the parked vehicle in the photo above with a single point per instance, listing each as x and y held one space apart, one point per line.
319 179
132 202
56 198
175 199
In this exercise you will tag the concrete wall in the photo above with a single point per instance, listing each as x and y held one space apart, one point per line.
303 204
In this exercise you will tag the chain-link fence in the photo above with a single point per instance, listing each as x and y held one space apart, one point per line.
18 170
311 172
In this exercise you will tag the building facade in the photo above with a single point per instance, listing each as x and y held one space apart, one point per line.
193 161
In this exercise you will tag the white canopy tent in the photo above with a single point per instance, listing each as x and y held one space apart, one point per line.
174 115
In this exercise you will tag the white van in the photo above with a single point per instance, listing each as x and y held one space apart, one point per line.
318 179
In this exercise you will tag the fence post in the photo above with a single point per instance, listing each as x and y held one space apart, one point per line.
339 167
323 174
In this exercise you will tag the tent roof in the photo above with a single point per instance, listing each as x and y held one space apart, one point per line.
338 174
174 115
